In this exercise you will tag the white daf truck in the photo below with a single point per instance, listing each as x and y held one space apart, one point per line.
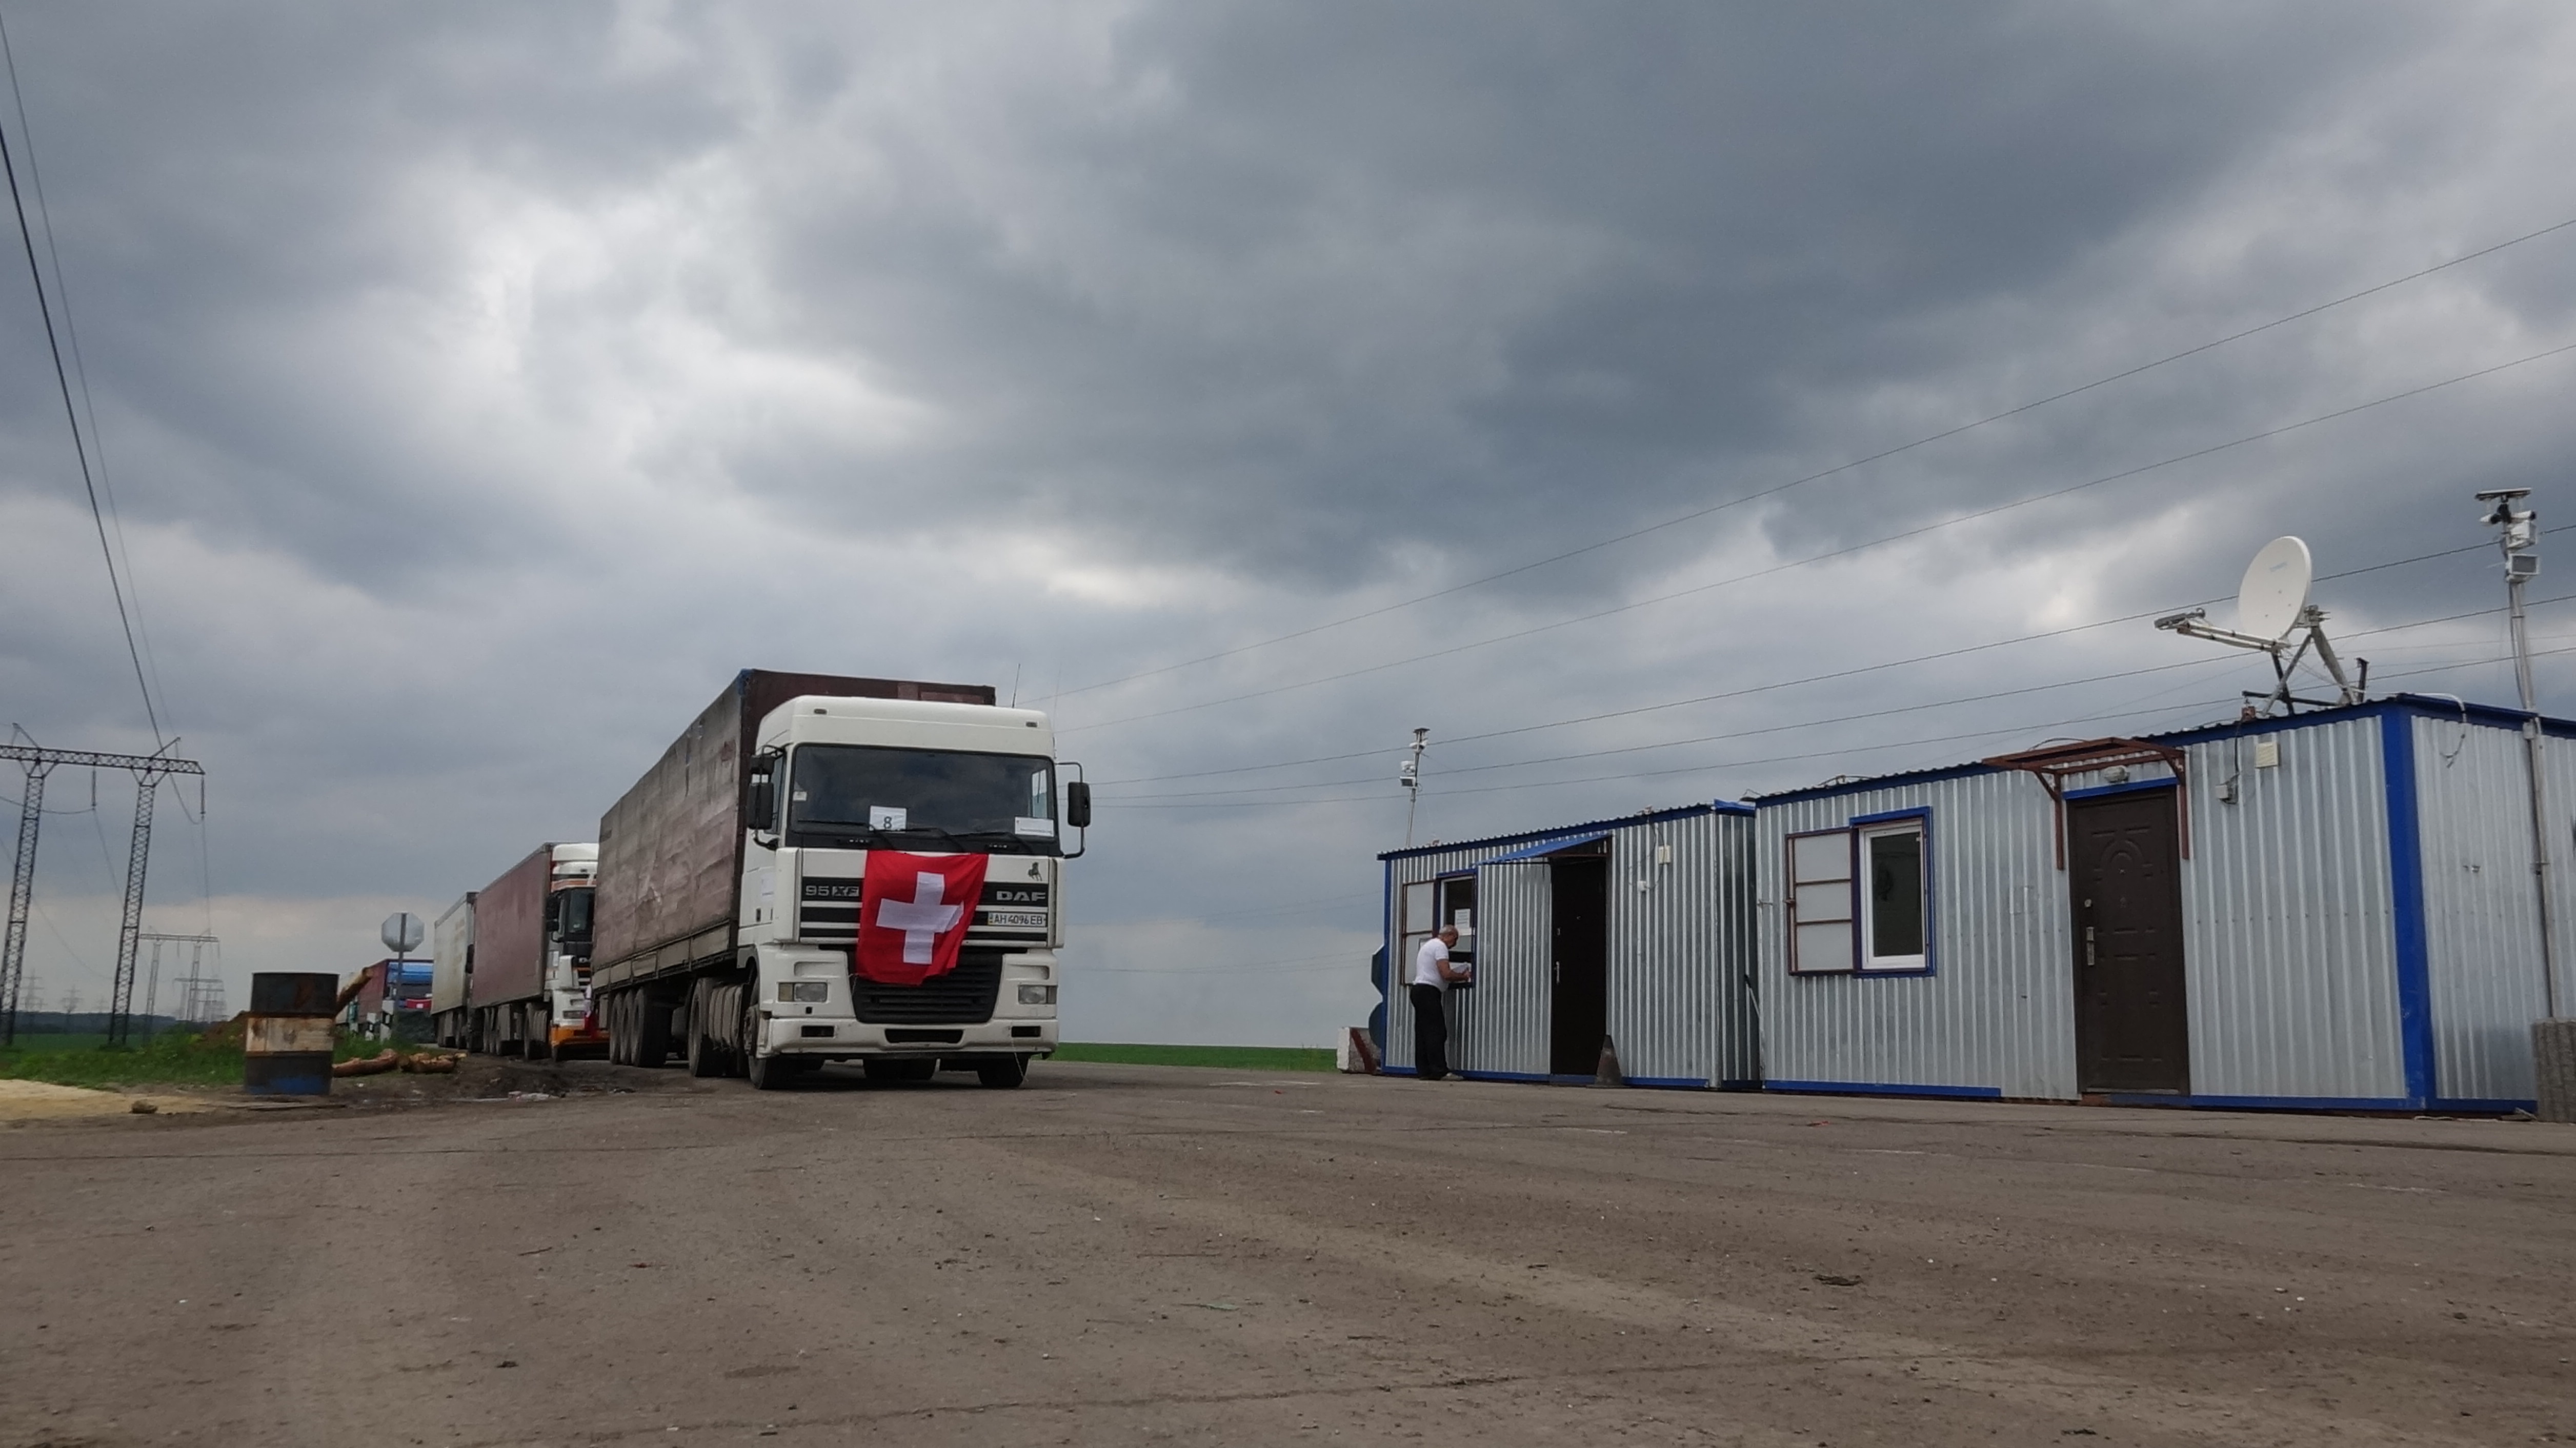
732 878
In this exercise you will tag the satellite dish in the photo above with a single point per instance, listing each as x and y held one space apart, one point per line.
402 933
2275 589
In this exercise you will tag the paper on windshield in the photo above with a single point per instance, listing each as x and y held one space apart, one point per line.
1043 829
889 817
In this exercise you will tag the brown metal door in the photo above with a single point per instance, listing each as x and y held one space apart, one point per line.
1579 1012
2123 860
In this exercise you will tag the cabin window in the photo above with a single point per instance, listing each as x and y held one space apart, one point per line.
1820 902
1892 897
1860 899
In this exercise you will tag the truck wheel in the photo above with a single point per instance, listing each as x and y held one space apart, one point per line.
771 1073
652 1031
1003 1074
706 1056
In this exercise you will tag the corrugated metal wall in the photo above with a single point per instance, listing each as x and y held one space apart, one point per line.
1681 938
1500 1024
2290 943
1997 1013
2481 921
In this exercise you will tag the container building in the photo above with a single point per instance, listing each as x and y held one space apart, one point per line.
1636 933
2336 910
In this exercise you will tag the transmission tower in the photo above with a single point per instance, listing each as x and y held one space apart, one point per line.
196 966
148 771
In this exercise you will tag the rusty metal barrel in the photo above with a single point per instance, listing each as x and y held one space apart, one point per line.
287 1038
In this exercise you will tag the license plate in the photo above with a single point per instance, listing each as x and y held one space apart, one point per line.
1027 919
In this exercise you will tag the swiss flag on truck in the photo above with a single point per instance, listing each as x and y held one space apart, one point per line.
913 914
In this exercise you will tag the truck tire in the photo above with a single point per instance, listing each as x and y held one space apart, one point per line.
706 1056
1003 1073
772 1073
611 1006
652 1031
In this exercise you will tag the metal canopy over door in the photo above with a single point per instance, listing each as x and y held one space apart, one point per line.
1579 1011
2123 875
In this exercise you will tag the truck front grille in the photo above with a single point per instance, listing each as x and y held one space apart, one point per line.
962 997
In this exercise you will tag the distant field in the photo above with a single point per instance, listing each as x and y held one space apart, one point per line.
1226 1058
84 1061
53 1041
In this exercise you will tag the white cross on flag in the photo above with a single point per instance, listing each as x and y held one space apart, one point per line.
913 914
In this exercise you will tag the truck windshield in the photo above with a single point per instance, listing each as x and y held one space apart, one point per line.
863 796
576 916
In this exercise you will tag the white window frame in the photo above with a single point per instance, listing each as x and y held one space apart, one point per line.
1865 904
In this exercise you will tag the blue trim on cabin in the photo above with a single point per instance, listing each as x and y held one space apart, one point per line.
2407 704
2132 787
2262 1103
2482 1106
1545 848
1527 1077
1868 1088
1569 1080
1669 1083
1884 781
1912 811
1651 817
2406 894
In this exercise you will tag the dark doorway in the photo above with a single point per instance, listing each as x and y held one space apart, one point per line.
1580 1005
2123 874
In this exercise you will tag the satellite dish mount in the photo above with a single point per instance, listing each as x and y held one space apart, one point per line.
2275 618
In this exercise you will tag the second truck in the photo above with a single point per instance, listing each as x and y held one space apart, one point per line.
735 877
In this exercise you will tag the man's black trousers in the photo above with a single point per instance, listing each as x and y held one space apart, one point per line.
1430 1032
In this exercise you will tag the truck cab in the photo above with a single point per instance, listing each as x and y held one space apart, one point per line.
834 780
571 1028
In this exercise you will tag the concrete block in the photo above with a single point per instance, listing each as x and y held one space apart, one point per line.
2553 1058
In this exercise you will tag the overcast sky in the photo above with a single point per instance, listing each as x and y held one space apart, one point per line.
480 386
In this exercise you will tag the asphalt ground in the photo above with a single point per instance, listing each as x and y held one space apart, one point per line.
1123 1254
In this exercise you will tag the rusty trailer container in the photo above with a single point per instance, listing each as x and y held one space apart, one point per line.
2337 910
286 1040
670 850
1622 942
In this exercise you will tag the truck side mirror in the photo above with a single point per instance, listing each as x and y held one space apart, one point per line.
760 796
1077 804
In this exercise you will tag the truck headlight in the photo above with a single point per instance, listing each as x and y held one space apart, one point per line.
1037 995
804 990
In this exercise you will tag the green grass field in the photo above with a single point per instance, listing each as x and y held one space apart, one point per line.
173 1058
1225 1058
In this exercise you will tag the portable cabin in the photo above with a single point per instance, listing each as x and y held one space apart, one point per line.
2333 910
1634 932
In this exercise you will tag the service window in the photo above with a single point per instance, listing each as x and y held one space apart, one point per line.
1820 902
1416 924
1894 922
1458 908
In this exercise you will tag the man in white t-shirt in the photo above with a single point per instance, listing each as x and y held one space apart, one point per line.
1429 989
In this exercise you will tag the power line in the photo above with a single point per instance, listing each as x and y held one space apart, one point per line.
1852 672
1779 488
1148 801
1847 550
71 414
1454 770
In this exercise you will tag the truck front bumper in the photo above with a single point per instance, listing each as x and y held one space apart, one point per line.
1002 1035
